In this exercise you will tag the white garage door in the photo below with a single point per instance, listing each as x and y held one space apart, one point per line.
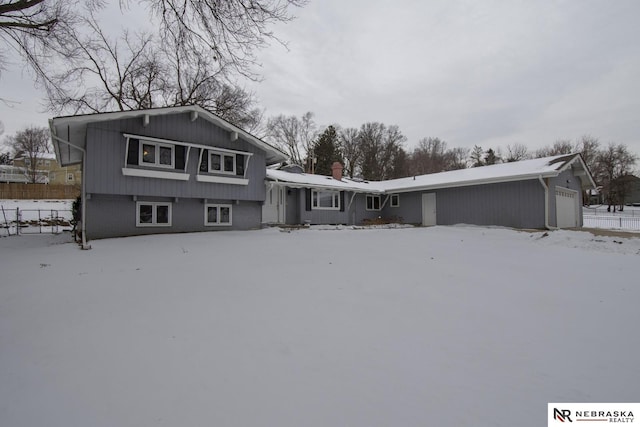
566 207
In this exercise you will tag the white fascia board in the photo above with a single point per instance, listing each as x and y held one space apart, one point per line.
145 173
222 179
470 183
587 174
325 187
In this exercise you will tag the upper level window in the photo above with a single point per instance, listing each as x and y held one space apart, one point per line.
223 162
157 154
373 203
395 200
325 200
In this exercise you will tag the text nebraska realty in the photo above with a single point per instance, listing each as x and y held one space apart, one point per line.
610 416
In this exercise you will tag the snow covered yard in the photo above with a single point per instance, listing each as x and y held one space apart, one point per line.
457 326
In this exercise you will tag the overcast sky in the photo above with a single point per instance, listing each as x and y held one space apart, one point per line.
486 73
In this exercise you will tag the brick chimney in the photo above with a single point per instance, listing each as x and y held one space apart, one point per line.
336 170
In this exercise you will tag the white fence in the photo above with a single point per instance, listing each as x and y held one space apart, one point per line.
34 221
599 217
612 221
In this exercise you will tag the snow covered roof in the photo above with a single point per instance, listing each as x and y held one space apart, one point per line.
305 180
516 171
73 129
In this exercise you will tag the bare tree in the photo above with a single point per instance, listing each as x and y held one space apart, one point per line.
588 146
612 164
36 30
292 135
379 146
561 146
30 143
350 147
135 72
516 153
429 156
229 31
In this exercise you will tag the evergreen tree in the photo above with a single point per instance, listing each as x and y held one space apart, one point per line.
491 158
326 150
476 156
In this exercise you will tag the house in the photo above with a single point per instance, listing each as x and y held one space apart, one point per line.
164 170
47 170
538 193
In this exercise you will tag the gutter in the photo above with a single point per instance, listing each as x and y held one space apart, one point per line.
83 191
546 204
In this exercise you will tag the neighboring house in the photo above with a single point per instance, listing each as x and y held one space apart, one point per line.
49 170
164 170
539 193
11 173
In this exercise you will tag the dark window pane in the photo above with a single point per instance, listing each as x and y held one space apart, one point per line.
225 215
166 156
376 203
212 215
146 214
239 164
216 162
148 153
204 166
162 214
229 163
369 203
326 200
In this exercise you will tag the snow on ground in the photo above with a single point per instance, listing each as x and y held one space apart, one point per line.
459 326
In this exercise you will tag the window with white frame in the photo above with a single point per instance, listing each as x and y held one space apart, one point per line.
395 200
373 202
153 214
217 214
220 162
322 199
157 154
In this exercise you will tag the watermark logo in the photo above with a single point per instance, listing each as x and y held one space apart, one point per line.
593 413
562 415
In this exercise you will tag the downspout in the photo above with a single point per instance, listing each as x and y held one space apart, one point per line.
546 204
83 191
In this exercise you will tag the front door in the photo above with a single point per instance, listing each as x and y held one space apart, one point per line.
429 209
273 210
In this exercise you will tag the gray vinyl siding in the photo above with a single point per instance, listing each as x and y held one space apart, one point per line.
106 147
517 204
359 208
321 216
114 215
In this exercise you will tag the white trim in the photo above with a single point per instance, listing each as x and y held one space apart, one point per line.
147 173
218 207
222 155
158 146
222 179
186 144
397 205
324 208
373 197
154 213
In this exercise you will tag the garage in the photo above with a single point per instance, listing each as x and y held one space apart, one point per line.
566 208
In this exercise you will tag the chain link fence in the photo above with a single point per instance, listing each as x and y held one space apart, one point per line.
16 221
